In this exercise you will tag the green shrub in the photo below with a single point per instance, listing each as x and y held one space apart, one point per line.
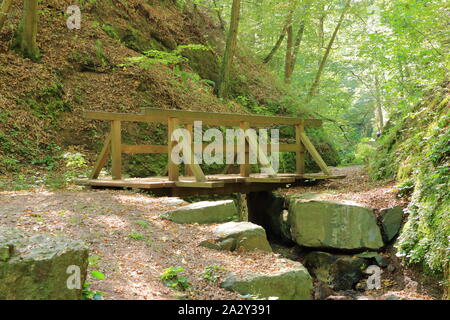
171 278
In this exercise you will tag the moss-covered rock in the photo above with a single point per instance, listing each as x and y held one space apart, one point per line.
291 282
391 220
338 272
333 224
235 235
203 212
38 267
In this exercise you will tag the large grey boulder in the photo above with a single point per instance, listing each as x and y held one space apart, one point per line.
337 271
203 212
391 220
235 235
333 224
39 267
291 282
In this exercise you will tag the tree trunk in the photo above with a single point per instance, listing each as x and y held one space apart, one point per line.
298 41
28 30
230 50
379 105
4 10
276 47
280 38
312 90
289 48
219 14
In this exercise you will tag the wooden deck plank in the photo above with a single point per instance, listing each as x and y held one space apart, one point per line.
270 179
195 184
213 181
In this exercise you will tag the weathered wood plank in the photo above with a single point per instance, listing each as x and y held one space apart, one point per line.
190 128
195 184
315 155
102 158
160 149
237 118
128 183
189 157
173 168
270 179
245 167
300 152
116 149
253 145
208 118
144 149
316 176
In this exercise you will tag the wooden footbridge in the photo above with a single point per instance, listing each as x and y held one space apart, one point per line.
194 181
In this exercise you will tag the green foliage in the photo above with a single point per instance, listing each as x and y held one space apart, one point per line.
406 189
88 294
136 236
364 152
98 275
49 103
416 151
142 223
212 273
155 57
171 277
74 160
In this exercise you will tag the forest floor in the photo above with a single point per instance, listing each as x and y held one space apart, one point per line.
132 245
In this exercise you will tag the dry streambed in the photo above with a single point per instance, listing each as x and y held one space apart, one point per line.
130 242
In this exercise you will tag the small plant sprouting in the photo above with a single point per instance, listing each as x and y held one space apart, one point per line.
171 278
212 273
93 295
142 223
136 236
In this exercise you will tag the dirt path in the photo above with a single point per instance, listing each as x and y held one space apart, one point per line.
109 220
132 245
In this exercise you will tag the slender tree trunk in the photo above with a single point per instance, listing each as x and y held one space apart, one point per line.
313 89
298 41
219 15
28 30
4 10
379 105
276 47
289 48
230 50
280 38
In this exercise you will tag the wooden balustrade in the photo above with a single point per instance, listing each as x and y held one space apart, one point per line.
177 119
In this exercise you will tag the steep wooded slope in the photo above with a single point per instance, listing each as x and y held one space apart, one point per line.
415 150
42 103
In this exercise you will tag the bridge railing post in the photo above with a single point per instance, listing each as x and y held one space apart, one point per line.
187 169
173 168
245 167
116 149
300 153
